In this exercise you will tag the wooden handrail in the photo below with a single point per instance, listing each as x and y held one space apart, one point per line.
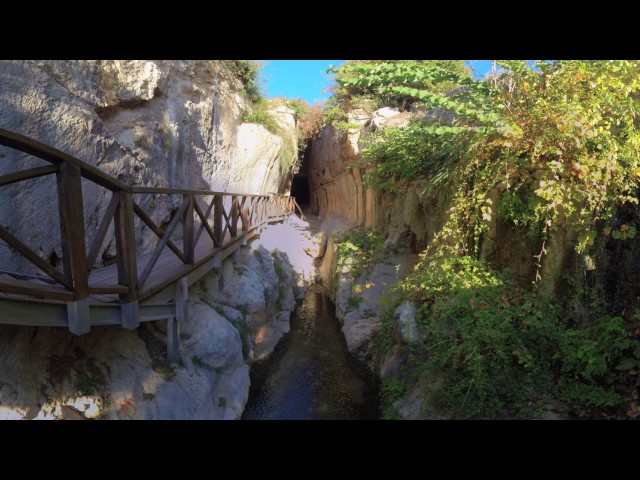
155 229
27 174
248 210
52 155
203 219
163 242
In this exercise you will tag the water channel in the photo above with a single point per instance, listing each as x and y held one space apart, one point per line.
311 375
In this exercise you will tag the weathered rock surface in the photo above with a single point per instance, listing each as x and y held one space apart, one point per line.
260 287
150 123
117 374
404 323
236 315
337 188
319 245
357 298
359 332
408 219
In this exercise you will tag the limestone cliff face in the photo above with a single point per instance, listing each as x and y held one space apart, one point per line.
408 219
336 182
236 315
151 123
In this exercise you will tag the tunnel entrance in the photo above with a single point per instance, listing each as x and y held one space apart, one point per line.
300 181
300 190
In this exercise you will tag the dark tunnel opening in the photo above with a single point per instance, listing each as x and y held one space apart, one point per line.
300 190
300 183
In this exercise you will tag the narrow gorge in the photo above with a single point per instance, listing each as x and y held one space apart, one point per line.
425 245
157 124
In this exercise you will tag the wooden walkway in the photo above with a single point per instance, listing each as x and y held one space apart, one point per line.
206 228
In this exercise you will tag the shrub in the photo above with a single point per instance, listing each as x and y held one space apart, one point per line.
357 248
308 121
248 72
496 348
259 113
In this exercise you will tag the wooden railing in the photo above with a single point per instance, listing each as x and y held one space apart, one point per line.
219 216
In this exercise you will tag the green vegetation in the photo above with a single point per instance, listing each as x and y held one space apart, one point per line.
354 302
564 134
551 150
632 361
392 390
277 266
246 333
354 90
369 313
83 383
288 160
278 305
358 248
165 369
497 348
593 395
336 116
198 361
308 121
248 72
259 113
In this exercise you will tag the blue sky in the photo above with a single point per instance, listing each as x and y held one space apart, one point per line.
298 78
307 79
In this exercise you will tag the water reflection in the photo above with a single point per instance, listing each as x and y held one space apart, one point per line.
311 375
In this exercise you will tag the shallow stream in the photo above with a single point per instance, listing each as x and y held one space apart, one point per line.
311 375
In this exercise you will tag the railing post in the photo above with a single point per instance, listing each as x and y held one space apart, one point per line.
217 229
255 212
264 214
74 256
126 257
260 213
217 220
173 338
188 230
233 228
245 225
265 210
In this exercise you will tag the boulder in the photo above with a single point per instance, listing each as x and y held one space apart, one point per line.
404 323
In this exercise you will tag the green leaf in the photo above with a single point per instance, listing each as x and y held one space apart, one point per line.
627 364
631 232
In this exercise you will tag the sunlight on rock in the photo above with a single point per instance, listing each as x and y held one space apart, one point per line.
72 408
7 413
